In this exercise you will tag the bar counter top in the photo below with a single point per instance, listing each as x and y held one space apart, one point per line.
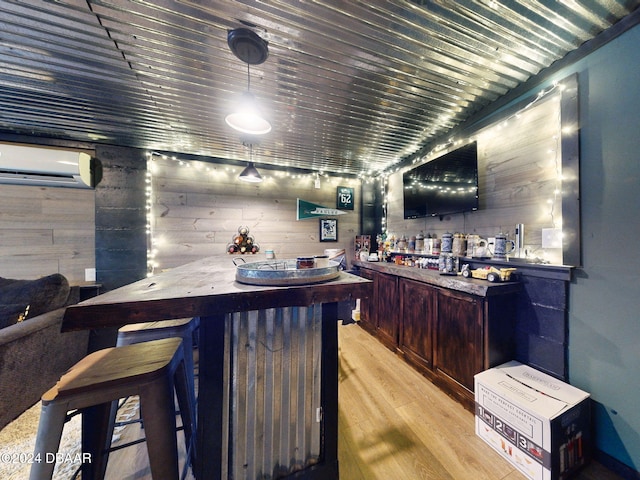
472 286
201 288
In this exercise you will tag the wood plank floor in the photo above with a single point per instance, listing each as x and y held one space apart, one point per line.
393 423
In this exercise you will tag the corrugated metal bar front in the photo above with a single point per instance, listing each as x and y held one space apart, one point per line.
274 406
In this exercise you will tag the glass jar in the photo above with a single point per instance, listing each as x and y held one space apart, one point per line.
305 262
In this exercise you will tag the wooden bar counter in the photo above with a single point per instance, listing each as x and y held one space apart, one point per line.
268 364
448 327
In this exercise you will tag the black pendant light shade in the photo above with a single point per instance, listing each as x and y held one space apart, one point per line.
250 174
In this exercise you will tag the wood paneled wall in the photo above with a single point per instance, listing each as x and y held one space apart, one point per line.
121 239
520 163
197 208
46 230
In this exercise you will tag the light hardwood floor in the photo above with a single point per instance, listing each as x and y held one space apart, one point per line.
393 424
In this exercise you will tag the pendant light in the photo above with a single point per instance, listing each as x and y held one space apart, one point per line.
251 49
250 173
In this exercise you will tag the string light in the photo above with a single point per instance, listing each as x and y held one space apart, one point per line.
149 215
453 142
285 172
557 191
221 172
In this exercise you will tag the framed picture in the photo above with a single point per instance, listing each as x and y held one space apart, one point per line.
344 198
328 230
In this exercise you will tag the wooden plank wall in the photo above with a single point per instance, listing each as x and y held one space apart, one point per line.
196 211
46 230
519 163
121 217
197 208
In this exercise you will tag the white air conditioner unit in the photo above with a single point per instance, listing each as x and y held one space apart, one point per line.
25 165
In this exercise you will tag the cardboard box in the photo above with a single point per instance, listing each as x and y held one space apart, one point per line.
537 422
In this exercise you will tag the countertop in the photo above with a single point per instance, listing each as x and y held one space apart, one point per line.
201 288
472 286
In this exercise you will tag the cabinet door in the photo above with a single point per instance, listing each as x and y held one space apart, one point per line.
418 313
459 336
367 312
387 311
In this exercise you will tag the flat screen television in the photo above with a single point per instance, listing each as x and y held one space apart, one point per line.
445 185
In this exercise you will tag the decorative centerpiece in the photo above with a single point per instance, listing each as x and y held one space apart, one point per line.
243 243
285 272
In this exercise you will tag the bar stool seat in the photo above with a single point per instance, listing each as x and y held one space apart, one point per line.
183 328
152 370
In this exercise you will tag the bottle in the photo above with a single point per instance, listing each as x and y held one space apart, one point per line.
420 242
392 243
428 244
412 244
447 243
446 262
435 249
402 244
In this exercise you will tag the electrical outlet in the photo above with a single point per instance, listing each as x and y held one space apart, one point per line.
89 274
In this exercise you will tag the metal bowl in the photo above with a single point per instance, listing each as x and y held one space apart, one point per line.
282 273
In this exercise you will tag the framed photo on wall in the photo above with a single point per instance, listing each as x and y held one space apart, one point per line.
344 198
328 230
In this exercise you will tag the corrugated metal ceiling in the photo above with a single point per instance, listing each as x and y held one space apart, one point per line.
349 86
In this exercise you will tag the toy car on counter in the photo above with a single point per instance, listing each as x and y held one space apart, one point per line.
491 274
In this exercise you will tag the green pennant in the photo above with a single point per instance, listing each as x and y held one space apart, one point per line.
311 210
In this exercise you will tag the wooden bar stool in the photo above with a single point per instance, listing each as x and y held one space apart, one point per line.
183 328
152 370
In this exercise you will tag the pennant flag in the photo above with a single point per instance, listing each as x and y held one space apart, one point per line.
311 210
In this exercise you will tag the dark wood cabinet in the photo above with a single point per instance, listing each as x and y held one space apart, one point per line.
386 297
448 329
379 314
458 346
418 303
367 313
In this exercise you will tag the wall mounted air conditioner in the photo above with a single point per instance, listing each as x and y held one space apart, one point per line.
42 166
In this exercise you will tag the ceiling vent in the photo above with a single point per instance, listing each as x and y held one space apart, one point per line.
40 166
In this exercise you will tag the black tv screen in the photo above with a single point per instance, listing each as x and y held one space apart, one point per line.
445 185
